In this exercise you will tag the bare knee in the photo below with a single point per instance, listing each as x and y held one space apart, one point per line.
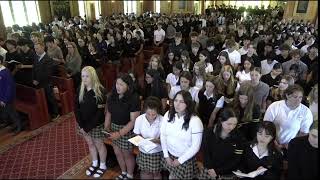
127 154
117 150
89 141
99 144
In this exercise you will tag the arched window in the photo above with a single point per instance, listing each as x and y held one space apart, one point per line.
20 12
82 8
157 6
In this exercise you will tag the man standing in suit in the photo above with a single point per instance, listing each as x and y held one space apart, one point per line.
42 68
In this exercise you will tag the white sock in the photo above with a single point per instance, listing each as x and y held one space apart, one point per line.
130 176
103 165
124 173
95 163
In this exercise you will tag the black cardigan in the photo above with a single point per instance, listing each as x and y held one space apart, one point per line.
272 162
222 155
87 113
303 159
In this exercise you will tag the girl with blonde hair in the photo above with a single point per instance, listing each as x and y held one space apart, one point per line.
277 92
155 63
186 61
89 111
228 84
199 74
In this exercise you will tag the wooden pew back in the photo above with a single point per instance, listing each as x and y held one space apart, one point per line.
66 92
32 102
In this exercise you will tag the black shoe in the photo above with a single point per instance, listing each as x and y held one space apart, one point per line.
3 125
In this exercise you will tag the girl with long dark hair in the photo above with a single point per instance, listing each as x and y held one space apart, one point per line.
181 134
247 111
222 147
262 153
154 86
123 107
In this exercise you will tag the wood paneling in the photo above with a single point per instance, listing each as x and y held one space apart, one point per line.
45 11
74 8
148 6
311 14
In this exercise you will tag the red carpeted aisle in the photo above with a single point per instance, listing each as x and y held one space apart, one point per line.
45 156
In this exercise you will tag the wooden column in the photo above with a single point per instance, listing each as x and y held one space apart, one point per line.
45 11
74 8
148 6
202 6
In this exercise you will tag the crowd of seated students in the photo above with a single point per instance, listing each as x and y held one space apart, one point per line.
261 66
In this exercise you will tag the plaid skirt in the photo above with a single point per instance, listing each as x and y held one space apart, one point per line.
95 132
187 170
205 175
149 162
122 142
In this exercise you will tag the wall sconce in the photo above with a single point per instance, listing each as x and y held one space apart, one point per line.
169 1
112 1
141 1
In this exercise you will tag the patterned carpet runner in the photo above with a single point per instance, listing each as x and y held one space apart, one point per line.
45 156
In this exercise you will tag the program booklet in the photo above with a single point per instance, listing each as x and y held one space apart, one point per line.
145 144
252 174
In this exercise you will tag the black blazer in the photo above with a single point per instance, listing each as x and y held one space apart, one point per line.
42 70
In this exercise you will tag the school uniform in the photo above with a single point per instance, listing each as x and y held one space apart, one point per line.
174 90
303 161
249 128
120 110
271 160
177 49
172 79
268 79
243 76
161 91
222 155
90 113
149 161
207 105
178 143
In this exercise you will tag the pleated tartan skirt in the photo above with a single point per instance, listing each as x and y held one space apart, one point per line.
149 162
187 170
122 142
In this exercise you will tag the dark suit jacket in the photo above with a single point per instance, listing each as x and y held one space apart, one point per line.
42 70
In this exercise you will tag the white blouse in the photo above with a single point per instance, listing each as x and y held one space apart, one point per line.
148 131
179 142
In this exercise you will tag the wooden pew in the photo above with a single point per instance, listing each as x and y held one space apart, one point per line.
66 93
146 56
32 102
109 75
